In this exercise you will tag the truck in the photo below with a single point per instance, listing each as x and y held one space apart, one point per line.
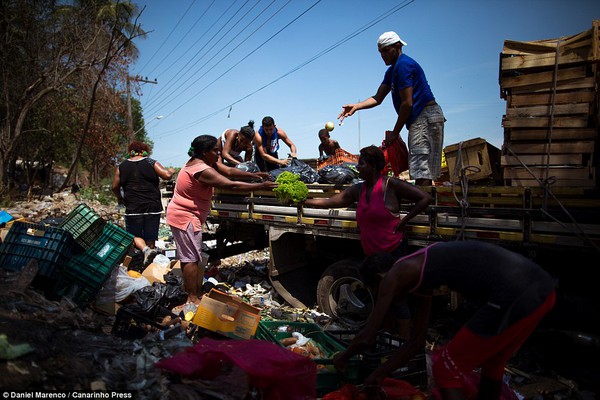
315 253
538 195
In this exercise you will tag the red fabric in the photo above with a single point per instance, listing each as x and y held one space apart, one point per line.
396 156
280 373
467 350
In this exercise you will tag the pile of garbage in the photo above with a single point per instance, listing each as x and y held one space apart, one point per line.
137 335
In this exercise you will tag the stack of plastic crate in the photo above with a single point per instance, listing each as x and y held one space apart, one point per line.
341 156
51 247
85 225
85 273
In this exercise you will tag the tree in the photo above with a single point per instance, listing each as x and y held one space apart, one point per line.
45 46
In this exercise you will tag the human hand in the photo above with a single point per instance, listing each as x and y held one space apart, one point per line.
265 176
339 361
285 162
390 137
347 111
268 185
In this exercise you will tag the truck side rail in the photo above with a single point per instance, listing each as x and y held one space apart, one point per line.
513 215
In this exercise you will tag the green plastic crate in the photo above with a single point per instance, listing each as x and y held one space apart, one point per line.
328 378
85 225
84 274
50 246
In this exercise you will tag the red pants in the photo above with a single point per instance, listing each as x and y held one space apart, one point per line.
467 350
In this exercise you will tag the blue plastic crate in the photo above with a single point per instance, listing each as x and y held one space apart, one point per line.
50 246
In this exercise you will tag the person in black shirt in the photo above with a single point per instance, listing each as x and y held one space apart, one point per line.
136 185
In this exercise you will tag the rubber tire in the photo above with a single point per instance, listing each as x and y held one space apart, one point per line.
340 271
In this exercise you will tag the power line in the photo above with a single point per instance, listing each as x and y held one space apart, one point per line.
167 38
174 90
347 38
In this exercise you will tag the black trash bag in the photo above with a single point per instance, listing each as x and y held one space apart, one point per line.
336 174
148 299
300 168
174 294
248 166
158 299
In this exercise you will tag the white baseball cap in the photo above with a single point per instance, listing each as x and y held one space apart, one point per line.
389 38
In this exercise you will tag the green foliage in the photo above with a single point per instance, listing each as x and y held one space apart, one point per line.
290 189
103 195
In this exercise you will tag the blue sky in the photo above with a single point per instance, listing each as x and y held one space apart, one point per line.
220 63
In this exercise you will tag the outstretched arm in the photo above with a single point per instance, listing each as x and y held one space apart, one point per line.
213 178
373 101
236 173
339 200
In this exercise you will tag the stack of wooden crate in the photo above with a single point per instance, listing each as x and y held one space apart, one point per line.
552 123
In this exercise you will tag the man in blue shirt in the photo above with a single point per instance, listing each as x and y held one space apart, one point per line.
416 108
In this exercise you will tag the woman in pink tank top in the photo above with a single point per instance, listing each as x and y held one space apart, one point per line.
379 198
378 215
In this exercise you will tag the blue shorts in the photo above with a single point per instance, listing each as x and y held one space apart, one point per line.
144 226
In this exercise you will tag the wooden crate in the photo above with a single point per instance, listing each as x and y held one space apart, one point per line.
477 153
551 125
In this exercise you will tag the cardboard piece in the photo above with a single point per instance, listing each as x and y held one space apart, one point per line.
227 315
156 272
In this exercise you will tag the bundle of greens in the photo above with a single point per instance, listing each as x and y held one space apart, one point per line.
290 188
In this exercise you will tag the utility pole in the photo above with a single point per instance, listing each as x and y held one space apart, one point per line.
136 78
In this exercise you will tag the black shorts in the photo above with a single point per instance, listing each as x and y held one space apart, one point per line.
143 225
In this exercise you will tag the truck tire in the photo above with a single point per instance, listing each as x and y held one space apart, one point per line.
342 295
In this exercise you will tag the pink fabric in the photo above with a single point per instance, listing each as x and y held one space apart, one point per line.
376 222
191 200
279 372
189 244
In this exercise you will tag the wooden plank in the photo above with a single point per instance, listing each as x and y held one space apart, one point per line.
543 77
518 100
555 147
557 134
544 111
542 122
541 159
579 55
596 39
575 183
540 172
578 84
513 47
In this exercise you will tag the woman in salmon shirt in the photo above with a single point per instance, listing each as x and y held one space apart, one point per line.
187 211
